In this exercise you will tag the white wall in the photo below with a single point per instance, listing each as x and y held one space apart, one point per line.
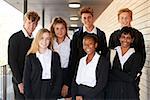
108 22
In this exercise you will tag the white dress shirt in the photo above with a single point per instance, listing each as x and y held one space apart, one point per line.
26 34
93 31
86 74
45 60
63 50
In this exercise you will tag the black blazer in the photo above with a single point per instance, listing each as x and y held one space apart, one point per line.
33 76
77 51
138 43
17 48
122 84
96 92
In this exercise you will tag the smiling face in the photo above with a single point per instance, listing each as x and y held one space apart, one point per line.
89 45
60 30
44 41
87 19
30 26
126 40
125 19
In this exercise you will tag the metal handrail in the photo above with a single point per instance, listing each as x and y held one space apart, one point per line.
4 73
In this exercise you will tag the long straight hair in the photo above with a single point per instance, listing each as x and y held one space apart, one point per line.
35 44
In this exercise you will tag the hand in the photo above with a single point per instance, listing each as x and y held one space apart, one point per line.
21 88
79 98
64 90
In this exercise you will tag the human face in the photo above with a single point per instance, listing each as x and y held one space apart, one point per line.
125 19
44 41
89 46
29 26
60 30
87 19
126 40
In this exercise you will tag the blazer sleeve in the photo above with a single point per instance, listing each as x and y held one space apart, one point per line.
72 58
141 44
13 47
56 75
27 78
102 76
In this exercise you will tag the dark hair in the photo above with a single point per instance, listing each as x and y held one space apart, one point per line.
127 30
86 10
91 36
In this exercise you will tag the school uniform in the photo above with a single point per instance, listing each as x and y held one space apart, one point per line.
90 79
42 76
122 76
77 51
138 43
18 46
63 49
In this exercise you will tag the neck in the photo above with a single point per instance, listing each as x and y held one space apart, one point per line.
42 50
89 57
30 34
89 28
60 40
124 50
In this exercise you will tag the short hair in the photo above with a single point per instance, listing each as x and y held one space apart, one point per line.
125 10
86 10
35 43
58 20
91 36
32 15
127 30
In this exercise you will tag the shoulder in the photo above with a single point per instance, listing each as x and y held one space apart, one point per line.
116 32
136 31
78 31
103 61
16 35
55 54
67 40
137 55
32 55
99 30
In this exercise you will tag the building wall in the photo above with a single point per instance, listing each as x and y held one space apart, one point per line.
108 22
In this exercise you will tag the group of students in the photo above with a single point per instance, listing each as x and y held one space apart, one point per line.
54 66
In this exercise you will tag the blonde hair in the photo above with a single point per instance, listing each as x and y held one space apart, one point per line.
86 10
32 15
58 20
125 10
35 44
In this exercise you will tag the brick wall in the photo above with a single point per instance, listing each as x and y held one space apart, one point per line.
108 22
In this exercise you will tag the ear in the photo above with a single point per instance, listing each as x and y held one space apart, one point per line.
96 44
132 40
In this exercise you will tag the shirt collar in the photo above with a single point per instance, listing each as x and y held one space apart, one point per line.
93 31
46 53
26 34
